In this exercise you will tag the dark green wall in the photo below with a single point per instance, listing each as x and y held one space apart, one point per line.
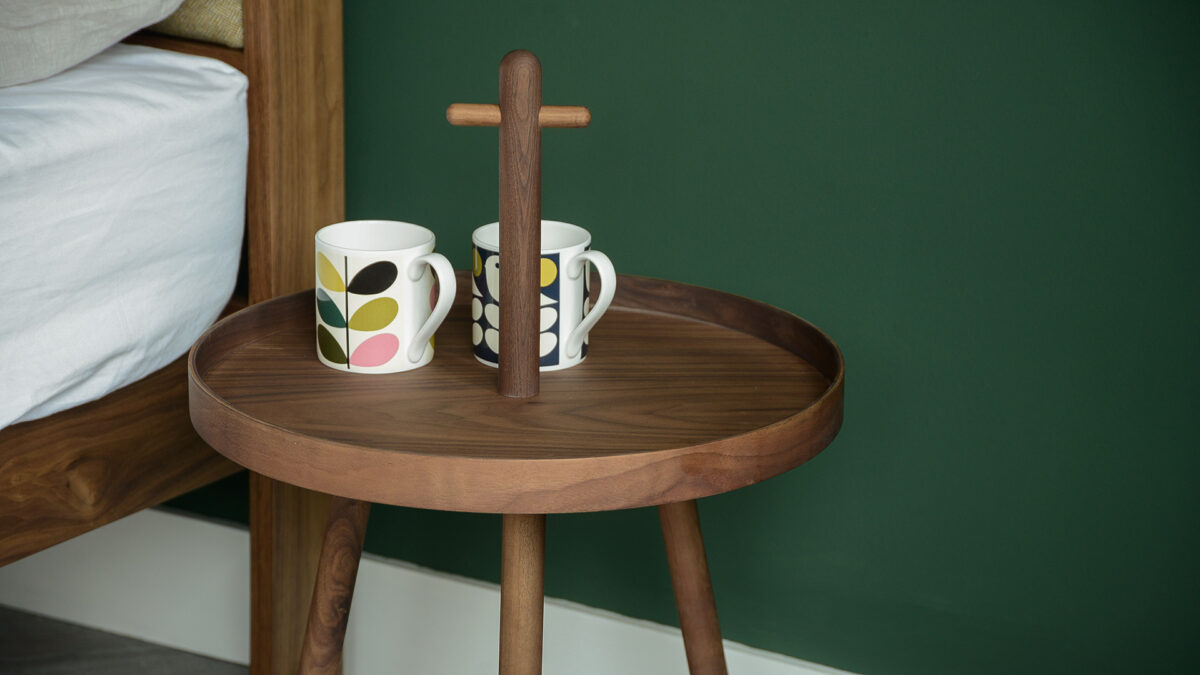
992 207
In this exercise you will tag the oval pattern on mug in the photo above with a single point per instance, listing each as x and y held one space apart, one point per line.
547 343
330 349
375 315
374 278
329 311
375 351
328 274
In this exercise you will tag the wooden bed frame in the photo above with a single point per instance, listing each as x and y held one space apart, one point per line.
79 469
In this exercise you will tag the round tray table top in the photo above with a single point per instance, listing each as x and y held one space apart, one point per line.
686 392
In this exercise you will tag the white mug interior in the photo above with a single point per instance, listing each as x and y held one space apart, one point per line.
556 236
374 235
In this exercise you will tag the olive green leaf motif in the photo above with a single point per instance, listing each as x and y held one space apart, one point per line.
329 346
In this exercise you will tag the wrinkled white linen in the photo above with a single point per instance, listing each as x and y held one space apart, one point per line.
122 197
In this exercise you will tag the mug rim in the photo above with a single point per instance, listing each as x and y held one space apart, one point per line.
585 241
322 235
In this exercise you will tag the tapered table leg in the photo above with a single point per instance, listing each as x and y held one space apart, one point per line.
334 587
693 588
522 574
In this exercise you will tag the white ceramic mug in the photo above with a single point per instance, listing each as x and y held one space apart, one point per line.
566 313
381 293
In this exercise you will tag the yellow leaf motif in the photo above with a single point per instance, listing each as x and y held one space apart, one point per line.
375 315
328 274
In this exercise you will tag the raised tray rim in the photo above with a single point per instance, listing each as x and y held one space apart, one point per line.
546 485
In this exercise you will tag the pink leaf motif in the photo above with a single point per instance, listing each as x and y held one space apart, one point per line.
375 351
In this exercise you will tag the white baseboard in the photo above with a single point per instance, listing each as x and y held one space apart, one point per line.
184 582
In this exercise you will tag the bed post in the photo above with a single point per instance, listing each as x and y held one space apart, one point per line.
293 58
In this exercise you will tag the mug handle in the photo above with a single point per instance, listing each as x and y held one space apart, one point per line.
447 288
608 288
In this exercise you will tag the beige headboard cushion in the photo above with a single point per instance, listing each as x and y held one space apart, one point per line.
218 21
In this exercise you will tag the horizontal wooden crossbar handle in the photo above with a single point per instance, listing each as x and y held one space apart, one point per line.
488 115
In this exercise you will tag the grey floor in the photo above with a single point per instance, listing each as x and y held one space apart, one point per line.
35 645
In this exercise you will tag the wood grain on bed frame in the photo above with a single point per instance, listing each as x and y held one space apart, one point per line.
78 469
297 185
85 467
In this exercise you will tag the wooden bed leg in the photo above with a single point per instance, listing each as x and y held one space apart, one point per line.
287 525
522 575
693 588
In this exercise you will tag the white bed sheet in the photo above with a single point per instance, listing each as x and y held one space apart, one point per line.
122 197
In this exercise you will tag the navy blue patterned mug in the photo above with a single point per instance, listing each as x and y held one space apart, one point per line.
566 313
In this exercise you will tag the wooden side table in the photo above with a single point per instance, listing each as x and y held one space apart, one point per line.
687 392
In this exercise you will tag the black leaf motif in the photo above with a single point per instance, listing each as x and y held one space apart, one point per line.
374 278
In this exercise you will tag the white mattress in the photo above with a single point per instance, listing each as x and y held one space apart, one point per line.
122 194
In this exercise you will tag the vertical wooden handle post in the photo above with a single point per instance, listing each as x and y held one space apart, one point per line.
520 222
520 117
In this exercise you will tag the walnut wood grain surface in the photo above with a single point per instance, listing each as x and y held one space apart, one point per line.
520 222
334 587
295 185
76 470
522 593
666 408
693 588
287 525
296 181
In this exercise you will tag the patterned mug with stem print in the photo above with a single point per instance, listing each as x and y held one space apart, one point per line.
566 312
381 293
